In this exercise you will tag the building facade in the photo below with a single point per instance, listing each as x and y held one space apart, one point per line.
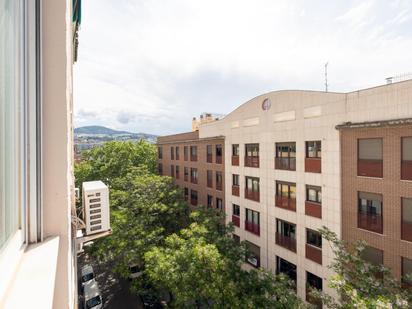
197 166
37 244
287 174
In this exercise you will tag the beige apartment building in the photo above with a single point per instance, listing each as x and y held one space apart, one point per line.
37 245
290 168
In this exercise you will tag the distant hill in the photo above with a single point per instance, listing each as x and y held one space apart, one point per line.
98 130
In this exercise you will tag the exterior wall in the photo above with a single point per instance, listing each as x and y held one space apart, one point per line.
390 186
192 139
57 144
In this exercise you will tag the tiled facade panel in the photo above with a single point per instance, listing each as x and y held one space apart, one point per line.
390 186
190 139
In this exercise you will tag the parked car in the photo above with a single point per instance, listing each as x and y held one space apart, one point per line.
87 274
91 295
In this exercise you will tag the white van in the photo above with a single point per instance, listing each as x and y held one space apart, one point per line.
92 297
87 274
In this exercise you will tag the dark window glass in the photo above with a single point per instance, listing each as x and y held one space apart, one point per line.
235 180
407 148
314 281
252 150
286 229
285 267
209 149
209 201
235 150
172 153
219 203
252 216
177 153
286 190
314 194
219 150
160 152
370 212
373 256
286 150
370 149
253 256
313 149
313 238
252 184
236 210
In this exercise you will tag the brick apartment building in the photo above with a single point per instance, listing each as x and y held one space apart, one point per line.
197 166
290 165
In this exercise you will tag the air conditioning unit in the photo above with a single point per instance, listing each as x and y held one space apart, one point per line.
96 207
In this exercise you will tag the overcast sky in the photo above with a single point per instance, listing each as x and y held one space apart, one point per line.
151 65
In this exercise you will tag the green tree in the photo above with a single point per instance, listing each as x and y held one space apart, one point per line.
359 283
202 267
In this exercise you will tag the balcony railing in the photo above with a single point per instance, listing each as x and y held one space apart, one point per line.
252 161
314 254
219 159
219 186
193 157
285 203
370 222
313 209
235 190
209 158
236 220
252 195
285 164
193 201
286 242
406 231
370 168
313 165
235 160
406 173
193 180
252 227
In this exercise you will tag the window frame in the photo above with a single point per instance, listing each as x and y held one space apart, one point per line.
318 191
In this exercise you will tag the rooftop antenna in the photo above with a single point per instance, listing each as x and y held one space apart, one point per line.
326 76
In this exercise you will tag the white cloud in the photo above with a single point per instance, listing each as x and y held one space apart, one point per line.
152 65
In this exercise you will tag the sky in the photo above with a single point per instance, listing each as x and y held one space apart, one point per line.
151 65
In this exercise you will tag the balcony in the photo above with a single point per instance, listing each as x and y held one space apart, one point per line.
314 254
209 158
219 159
285 203
193 180
235 160
193 201
219 186
285 164
252 195
252 161
193 157
235 190
252 227
370 222
406 170
236 220
406 231
286 242
313 209
370 168
313 165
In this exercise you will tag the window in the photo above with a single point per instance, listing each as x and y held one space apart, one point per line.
219 154
313 282
160 168
235 180
235 150
177 172
209 201
186 153
209 175
172 170
219 181
313 149
209 154
406 172
186 173
286 235
172 153
286 268
285 156
373 256
370 212
252 222
313 238
252 188
160 152
253 254
193 197
177 153
193 153
186 194
236 210
219 203
314 194
286 195
193 175
406 270
370 157
252 155
407 219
